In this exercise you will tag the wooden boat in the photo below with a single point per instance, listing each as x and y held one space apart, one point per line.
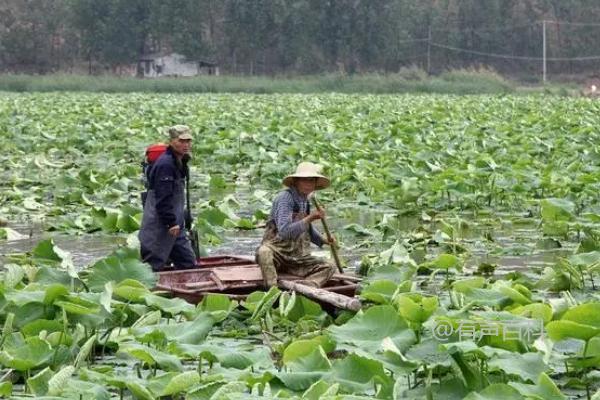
239 276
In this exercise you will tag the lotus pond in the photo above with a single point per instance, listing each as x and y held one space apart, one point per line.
475 222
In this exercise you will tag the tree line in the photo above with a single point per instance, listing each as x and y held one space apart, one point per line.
278 37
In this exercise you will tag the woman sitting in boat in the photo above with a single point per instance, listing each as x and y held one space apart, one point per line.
286 242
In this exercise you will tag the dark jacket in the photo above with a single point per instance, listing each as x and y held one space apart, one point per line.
162 178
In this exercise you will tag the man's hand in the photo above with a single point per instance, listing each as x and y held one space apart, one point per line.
174 230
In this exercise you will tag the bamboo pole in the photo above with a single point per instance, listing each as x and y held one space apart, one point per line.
335 299
332 244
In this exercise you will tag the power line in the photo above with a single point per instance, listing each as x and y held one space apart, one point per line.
413 40
513 27
570 23
508 56
472 30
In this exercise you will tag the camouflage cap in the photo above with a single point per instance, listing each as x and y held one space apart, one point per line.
180 132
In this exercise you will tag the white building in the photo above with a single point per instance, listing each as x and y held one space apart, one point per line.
173 64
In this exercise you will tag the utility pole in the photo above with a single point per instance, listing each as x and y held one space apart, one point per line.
544 51
429 51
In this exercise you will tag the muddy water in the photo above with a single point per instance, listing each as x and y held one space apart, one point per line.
495 241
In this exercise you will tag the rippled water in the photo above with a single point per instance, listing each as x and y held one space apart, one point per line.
513 247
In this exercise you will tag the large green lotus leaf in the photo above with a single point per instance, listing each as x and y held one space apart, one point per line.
396 362
315 360
22 297
415 311
13 275
131 290
55 291
538 311
465 285
430 352
35 327
294 307
392 272
545 389
29 312
190 332
356 374
6 389
47 251
448 389
299 381
157 384
397 254
559 330
305 370
585 314
128 223
511 293
320 390
243 358
486 297
359 230
553 210
128 219
149 318
216 302
38 384
106 378
122 264
228 391
206 390
302 347
78 389
252 300
151 356
181 383
213 216
109 223
172 306
527 366
238 357
34 353
585 259
472 378
266 303
49 276
139 390
380 291
507 331
367 330
447 261
78 305
496 391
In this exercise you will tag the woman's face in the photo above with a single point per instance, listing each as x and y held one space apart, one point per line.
306 185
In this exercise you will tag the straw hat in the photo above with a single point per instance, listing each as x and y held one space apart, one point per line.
308 170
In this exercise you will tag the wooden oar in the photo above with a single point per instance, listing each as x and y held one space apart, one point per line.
332 244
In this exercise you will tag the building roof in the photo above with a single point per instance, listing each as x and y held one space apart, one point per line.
154 56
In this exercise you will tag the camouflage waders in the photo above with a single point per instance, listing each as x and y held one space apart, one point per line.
291 256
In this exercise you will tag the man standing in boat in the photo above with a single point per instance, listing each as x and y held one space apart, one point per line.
286 242
162 234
